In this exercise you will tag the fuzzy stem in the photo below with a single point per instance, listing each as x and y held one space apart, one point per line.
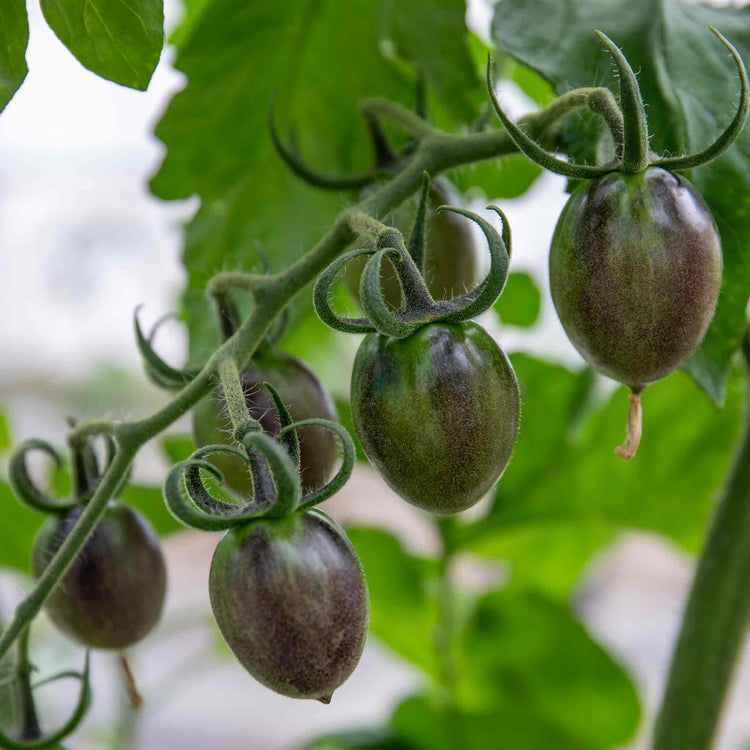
234 394
634 429
435 153
715 620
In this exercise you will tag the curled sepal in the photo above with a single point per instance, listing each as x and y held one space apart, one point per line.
527 145
484 295
373 301
82 706
347 462
417 237
733 130
164 375
312 176
22 484
322 291
285 473
635 129
200 510
289 438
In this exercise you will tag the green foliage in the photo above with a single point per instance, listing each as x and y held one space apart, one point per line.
689 85
564 476
321 59
403 608
520 302
13 40
117 40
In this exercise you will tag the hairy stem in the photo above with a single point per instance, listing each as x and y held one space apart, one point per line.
435 153
444 637
715 621
234 394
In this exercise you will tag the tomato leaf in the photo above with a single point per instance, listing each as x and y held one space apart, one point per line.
520 302
321 60
554 488
14 36
690 87
119 41
525 652
403 609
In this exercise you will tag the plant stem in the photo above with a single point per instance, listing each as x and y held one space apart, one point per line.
435 153
30 729
715 621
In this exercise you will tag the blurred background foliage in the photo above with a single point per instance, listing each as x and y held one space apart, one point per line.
528 674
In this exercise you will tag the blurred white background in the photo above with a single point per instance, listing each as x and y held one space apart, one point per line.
82 243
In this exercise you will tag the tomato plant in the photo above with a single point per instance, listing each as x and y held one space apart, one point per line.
347 146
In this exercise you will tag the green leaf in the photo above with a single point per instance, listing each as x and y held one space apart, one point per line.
403 611
689 84
4 432
520 302
566 478
150 502
497 179
527 653
427 726
17 531
14 37
321 59
177 447
120 41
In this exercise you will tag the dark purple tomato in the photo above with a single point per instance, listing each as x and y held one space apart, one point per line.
451 255
290 599
635 272
437 413
113 593
305 397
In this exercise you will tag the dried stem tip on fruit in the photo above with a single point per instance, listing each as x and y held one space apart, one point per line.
635 427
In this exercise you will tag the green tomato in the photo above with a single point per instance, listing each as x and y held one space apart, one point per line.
113 593
290 599
437 413
305 397
635 271
451 255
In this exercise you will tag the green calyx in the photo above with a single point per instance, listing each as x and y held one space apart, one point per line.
418 308
628 126
85 470
273 465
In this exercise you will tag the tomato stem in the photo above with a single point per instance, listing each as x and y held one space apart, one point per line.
30 729
714 623
634 428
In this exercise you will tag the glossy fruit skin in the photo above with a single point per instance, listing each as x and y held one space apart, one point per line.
290 599
451 255
437 413
635 271
305 397
113 593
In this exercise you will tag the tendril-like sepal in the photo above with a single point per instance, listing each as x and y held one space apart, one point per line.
418 308
22 484
161 373
322 294
348 459
82 706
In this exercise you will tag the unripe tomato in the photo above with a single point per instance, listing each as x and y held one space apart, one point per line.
635 272
305 397
451 255
113 593
290 599
437 413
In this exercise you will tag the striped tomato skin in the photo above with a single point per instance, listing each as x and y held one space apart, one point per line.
635 271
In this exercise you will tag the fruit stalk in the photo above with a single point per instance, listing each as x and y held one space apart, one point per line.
714 624
30 729
436 153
